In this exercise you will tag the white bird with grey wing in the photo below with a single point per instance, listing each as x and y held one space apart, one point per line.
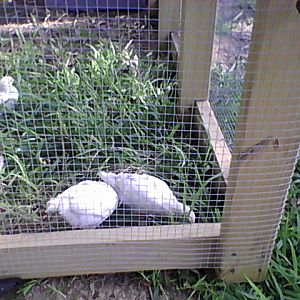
86 204
9 94
147 193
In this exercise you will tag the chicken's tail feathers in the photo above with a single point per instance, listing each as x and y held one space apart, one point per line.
188 213
108 177
53 205
192 217
184 211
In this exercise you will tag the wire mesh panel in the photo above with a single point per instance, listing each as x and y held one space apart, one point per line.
94 151
233 32
117 134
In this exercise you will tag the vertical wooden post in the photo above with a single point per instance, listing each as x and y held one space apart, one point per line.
198 22
267 142
169 20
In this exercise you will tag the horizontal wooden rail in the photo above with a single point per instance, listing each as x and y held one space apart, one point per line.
63 253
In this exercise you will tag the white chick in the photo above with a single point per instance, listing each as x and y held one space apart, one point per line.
9 94
146 193
86 204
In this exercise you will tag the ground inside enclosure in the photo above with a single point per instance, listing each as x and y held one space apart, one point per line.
230 54
57 70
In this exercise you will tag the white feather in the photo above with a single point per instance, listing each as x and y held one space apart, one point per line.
146 193
86 204
9 94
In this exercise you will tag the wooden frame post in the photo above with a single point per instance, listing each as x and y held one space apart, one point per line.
199 30
169 20
196 45
267 142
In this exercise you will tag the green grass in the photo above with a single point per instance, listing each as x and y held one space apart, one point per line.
81 113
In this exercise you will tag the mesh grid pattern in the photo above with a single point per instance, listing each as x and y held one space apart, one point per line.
98 94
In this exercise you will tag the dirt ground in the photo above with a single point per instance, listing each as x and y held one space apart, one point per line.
96 287
131 285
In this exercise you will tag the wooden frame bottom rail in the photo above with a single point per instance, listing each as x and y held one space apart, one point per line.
63 253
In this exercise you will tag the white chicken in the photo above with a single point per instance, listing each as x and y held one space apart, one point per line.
86 204
9 94
147 193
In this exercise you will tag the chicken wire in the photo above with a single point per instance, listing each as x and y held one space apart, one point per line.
97 94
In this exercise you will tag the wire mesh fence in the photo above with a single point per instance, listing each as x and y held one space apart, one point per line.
106 126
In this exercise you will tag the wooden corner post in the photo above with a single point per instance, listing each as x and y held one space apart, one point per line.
196 45
267 142
169 20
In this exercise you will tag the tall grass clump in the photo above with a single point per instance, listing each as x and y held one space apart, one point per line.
78 113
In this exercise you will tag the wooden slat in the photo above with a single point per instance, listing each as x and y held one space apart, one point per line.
175 45
217 140
111 235
108 250
196 46
176 41
41 262
267 141
169 20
